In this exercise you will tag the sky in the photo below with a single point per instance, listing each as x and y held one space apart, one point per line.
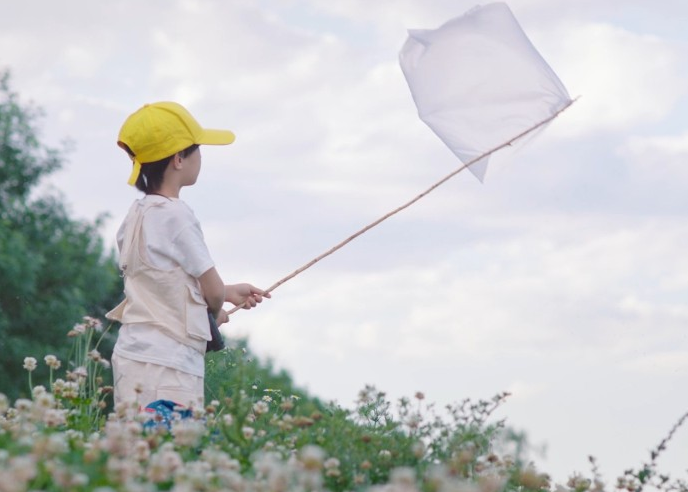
562 278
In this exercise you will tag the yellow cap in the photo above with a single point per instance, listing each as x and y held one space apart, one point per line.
162 129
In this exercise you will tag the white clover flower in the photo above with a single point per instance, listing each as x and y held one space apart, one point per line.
30 363
163 463
56 444
94 355
24 468
105 363
188 432
79 328
94 323
219 460
23 405
141 450
55 418
404 476
331 463
248 432
312 457
52 361
44 400
80 372
385 454
70 390
260 407
37 391
227 419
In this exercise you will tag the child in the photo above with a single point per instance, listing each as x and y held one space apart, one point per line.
170 281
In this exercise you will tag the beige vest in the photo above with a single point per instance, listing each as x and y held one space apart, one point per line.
170 300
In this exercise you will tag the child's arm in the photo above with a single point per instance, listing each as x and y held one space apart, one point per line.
213 290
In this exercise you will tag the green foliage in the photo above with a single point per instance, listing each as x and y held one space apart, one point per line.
52 268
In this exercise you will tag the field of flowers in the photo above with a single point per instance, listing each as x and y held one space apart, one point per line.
257 433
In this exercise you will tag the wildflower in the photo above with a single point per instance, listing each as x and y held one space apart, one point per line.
94 323
141 450
80 372
531 479
403 476
491 483
54 417
331 466
29 363
301 421
413 421
24 468
248 432
94 355
58 386
419 396
312 457
287 405
52 361
122 470
23 405
579 483
44 400
260 407
70 390
366 465
105 390
163 463
79 329
37 391
385 454
227 419
188 432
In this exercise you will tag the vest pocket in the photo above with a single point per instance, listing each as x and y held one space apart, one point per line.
197 326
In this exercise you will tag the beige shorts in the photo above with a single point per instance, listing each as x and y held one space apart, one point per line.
145 382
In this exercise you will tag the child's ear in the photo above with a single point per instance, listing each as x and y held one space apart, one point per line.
177 161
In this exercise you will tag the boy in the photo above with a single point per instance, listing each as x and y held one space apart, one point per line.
170 281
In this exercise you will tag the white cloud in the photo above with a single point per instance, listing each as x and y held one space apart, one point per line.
658 157
625 78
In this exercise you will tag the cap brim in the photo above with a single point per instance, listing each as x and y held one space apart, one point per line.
216 137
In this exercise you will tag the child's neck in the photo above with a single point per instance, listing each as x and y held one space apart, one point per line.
168 191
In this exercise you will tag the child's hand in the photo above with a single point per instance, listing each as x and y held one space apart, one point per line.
222 317
244 295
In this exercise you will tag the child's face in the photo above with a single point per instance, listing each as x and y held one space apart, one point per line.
191 167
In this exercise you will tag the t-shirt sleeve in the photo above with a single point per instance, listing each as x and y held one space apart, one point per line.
192 253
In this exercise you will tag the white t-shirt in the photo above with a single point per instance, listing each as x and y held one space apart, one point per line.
173 238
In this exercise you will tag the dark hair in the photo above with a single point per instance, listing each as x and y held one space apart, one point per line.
150 178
